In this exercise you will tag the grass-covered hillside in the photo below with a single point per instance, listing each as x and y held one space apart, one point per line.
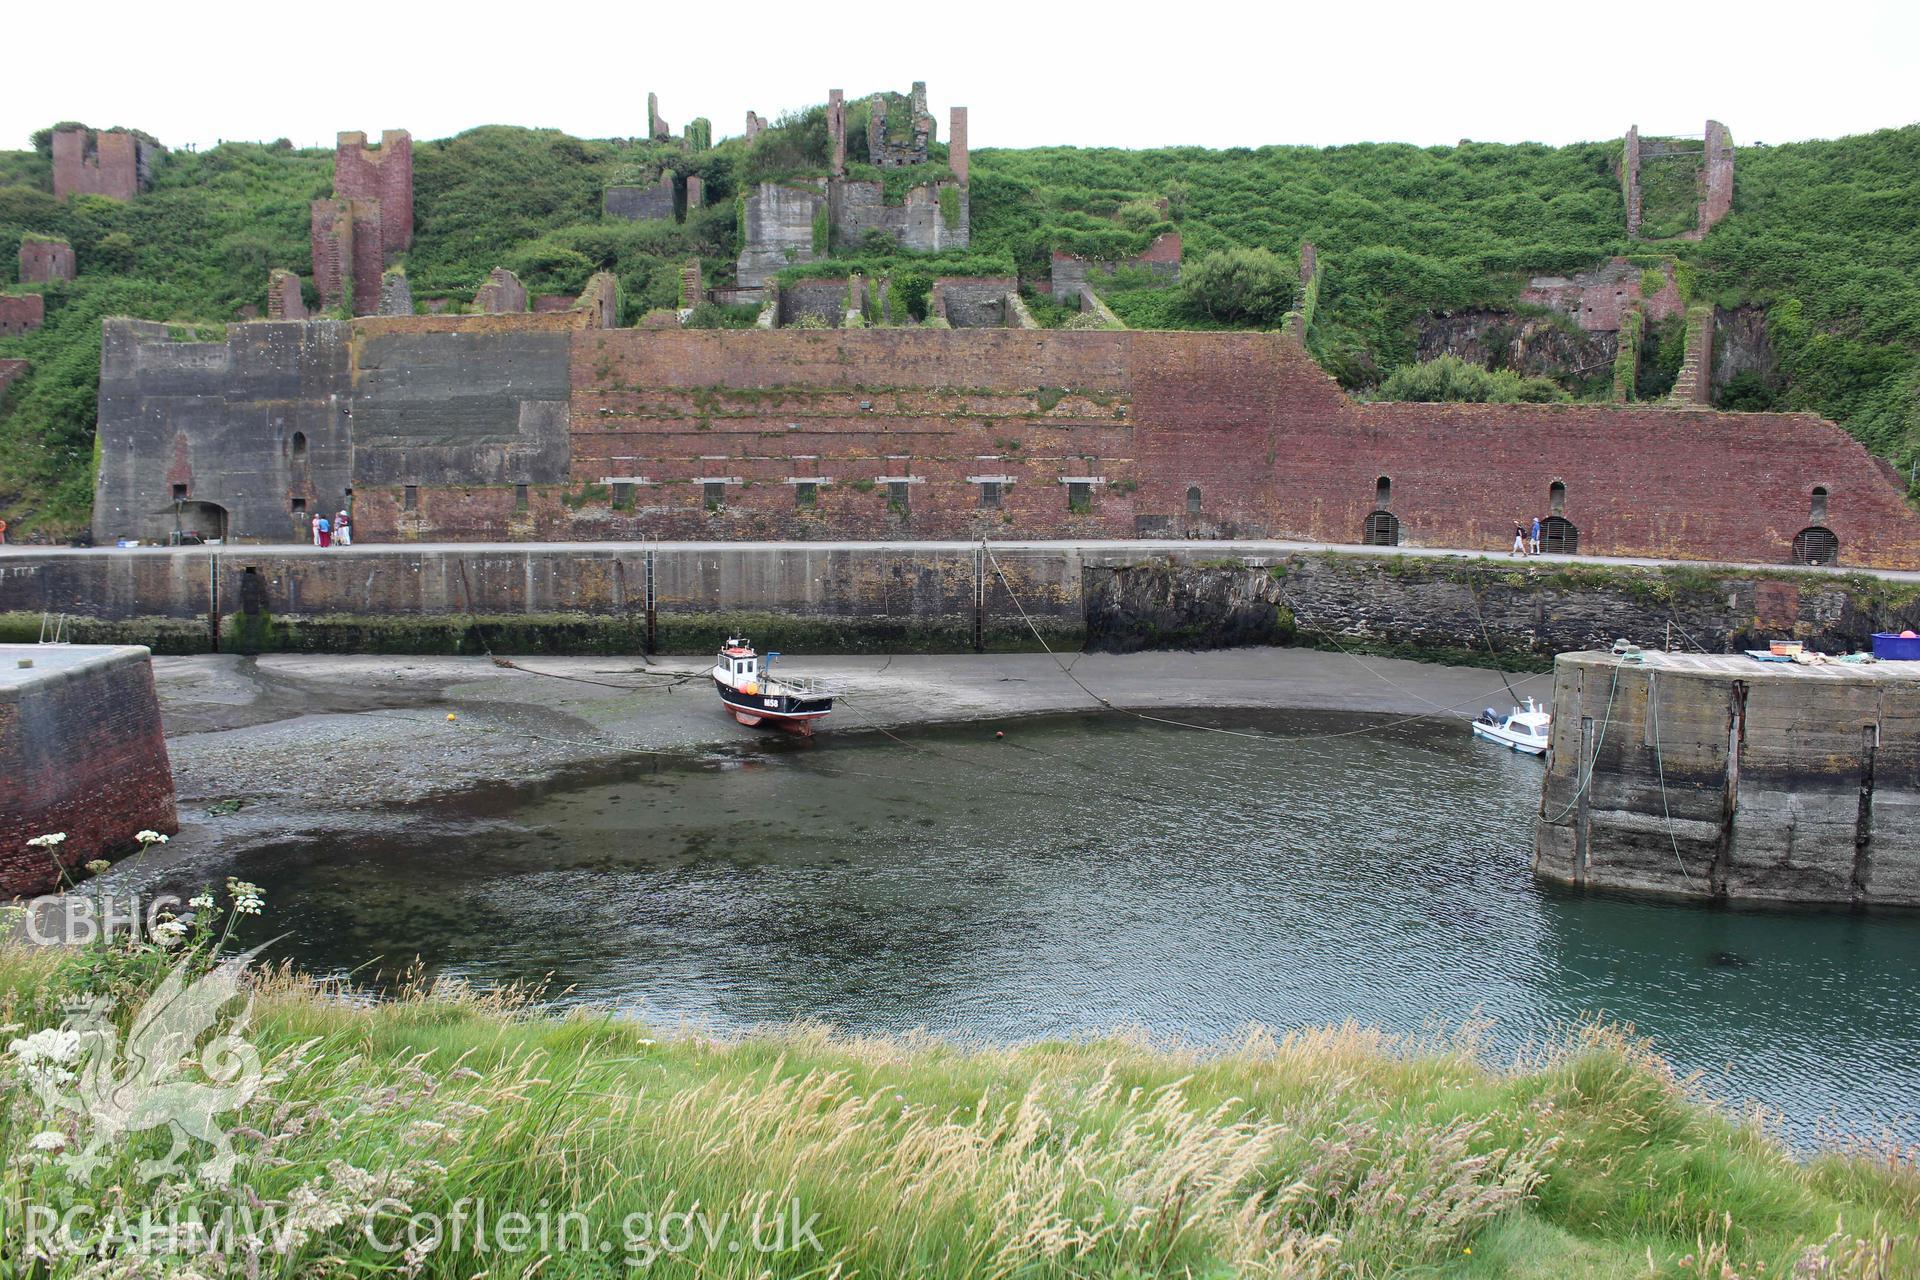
1822 235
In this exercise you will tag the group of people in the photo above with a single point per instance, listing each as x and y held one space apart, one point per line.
1525 543
337 532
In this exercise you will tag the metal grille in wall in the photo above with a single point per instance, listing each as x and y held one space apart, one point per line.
1382 530
1559 534
1816 544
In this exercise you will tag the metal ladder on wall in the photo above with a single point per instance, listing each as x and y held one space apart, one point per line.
53 628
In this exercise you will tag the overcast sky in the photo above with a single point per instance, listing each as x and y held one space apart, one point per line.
1032 73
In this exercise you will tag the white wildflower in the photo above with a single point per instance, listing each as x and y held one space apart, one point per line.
168 933
48 841
44 1055
203 901
52 1044
47 1140
246 897
97 866
149 837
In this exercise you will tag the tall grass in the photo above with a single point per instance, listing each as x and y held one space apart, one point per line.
1334 1152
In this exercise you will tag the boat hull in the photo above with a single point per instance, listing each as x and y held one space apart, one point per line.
785 712
1494 733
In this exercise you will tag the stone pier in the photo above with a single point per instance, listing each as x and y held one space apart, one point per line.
1721 778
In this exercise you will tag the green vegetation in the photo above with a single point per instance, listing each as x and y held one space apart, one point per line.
1451 378
1317 1154
1249 286
1822 237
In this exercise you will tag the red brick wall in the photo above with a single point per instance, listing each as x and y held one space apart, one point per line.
11 370
1267 437
110 168
44 261
81 753
22 313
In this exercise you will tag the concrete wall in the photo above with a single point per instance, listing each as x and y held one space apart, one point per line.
1723 778
973 302
779 229
247 425
81 753
1456 608
867 596
651 203
830 598
916 224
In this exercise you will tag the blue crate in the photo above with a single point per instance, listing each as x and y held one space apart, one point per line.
1890 647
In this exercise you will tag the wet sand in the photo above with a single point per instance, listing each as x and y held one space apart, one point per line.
290 742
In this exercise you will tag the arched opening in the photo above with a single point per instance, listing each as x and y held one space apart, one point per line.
1383 492
1817 509
1557 499
198 522
1559 535
1193 500
1816 544
1382 530
299 445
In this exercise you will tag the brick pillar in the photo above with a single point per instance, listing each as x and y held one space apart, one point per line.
1716 197
283 296
332 250
696 193
1630 176
656 127
754 125
690 291
837 130
957 143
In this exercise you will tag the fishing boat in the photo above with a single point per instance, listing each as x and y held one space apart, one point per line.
1523 728
755 696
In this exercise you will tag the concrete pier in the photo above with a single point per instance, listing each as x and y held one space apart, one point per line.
81 755
1722 778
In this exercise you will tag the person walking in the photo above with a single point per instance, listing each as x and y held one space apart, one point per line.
1519 539
316 530
326 532
1533 545
342 530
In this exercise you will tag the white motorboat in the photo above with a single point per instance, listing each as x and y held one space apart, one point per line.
1523 728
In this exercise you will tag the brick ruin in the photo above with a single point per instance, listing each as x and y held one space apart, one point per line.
488 427
368 223
787 221
284 301
110 163
45 260
1070 272
1600 300
894 143
11 371
21 313
1715 178
501 294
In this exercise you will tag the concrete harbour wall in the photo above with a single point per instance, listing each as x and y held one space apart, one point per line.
81 754
826 597
1721 778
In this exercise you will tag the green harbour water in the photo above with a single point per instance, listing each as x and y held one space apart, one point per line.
1094 872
